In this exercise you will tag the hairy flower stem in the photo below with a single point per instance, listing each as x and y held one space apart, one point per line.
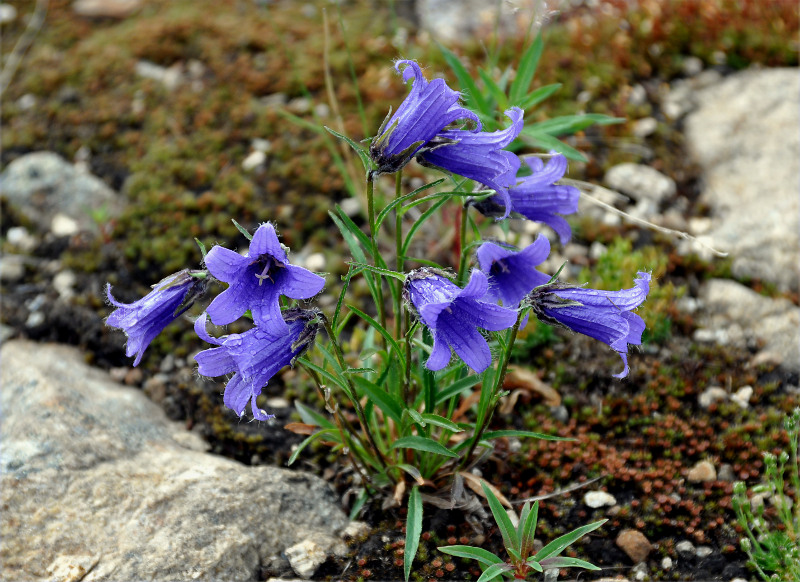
373 236
362 419
461 243
341 424
501 375
398 236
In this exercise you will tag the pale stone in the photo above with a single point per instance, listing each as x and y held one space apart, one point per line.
742 396
634 544
640 182
595 499
305 558
711 395
701 472
255 159
63 225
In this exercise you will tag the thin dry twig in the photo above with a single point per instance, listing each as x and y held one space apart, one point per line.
564 491
23 44
586 187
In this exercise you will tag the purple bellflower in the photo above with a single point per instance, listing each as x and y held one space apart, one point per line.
537 197
512 273
257 280
427 110
604 315
454 314
254 357
144 319
480 156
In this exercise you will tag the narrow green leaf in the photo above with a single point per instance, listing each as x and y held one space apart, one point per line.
379 271
483 556
494 90
569 124
355 238
457 388
548 142
411 470
528 528
415 416
310 416
361 498
310 439
441 422
357 147
400 201
202 247
381 330
526 70
472 97
563 562
242 229
420 221
326 374
496 434
534 98
558 545
424 444
413 529
510 538
494 571
382 399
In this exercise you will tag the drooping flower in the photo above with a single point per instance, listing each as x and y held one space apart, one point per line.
254 357
537 197
144 319
480 156
512 273
427 110
257 280
454 315
604 315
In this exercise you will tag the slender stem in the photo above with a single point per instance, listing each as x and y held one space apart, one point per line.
462 243
407 371
362 419
398 236
340 420
503 368
373 236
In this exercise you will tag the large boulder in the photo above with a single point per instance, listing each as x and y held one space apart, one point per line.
744 135
97 484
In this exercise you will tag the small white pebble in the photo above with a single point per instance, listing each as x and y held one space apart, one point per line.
63 225
254 160
595 499
666 563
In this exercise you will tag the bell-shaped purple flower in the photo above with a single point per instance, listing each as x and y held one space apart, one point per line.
254 357
479 156
257 280
427 110
512 273
454 315
604 315
537 197
144 319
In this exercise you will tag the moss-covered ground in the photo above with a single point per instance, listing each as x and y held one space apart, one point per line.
256 71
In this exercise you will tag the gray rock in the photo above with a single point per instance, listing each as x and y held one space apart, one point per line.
43 185
453 21
98 484
742 317
640 182
744 136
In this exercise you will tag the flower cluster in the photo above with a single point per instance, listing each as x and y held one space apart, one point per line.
454 315
256 281
432 127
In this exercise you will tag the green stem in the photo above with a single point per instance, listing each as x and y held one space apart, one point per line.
373 237
495 391
340 421
362 418
398 236
462 243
